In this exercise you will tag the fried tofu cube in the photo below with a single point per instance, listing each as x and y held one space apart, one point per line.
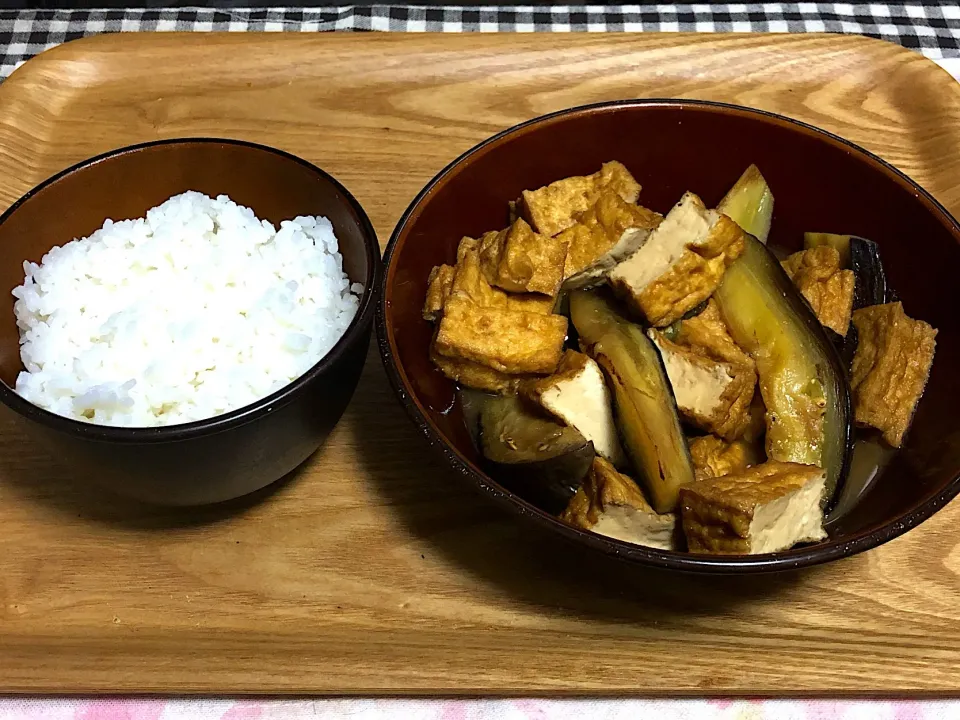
513 211
890 368
467 281
708 333
610 231
439 287
610 503
506 340
712 395
519 260
715 457
467 244
680 264
578 395
474 375
713 380
825 284
471 282
763 509
552 208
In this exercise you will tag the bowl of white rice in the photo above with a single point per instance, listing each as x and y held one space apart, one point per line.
186 320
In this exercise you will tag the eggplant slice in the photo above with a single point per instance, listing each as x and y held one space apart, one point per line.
749 203
530 454
802 379
863 257
870 279
644 406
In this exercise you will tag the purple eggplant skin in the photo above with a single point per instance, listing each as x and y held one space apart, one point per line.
645 409
534 456
870 279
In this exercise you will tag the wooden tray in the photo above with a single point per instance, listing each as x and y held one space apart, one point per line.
375 571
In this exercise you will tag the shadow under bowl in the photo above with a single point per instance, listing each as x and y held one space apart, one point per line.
820 182
229 455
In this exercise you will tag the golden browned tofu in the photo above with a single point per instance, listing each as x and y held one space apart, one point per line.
610 503
715 457
439 287
826 286
471 282
467 244
713 380
710 394
766 508
890 368
708 333
513 211
680 264
552 208
611 230
578 395
522 261
474 375
506 340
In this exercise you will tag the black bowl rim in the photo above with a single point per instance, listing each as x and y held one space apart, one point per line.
248 413
729 564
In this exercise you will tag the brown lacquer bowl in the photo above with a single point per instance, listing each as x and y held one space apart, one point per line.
820 181
241 451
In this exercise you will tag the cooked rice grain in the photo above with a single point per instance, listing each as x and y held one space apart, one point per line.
195 310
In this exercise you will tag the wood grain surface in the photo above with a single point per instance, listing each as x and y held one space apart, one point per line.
373 570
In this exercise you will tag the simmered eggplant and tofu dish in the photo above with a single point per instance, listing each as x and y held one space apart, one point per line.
668 380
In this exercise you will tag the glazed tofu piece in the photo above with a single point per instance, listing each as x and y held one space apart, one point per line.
467 244
467 283
553 208
474 375
715 457
825 284
610 503
610 231
470 281
711 395
890 368
708 333
439 287
766 508
681 264
504 339
513 210
713 380
578 395
522 261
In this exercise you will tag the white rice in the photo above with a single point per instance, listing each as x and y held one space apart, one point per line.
198 309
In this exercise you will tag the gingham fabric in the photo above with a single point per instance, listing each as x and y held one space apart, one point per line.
930 27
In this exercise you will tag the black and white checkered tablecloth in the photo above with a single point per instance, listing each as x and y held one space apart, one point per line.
930 27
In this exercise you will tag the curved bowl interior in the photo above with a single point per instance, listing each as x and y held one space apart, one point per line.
820 183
